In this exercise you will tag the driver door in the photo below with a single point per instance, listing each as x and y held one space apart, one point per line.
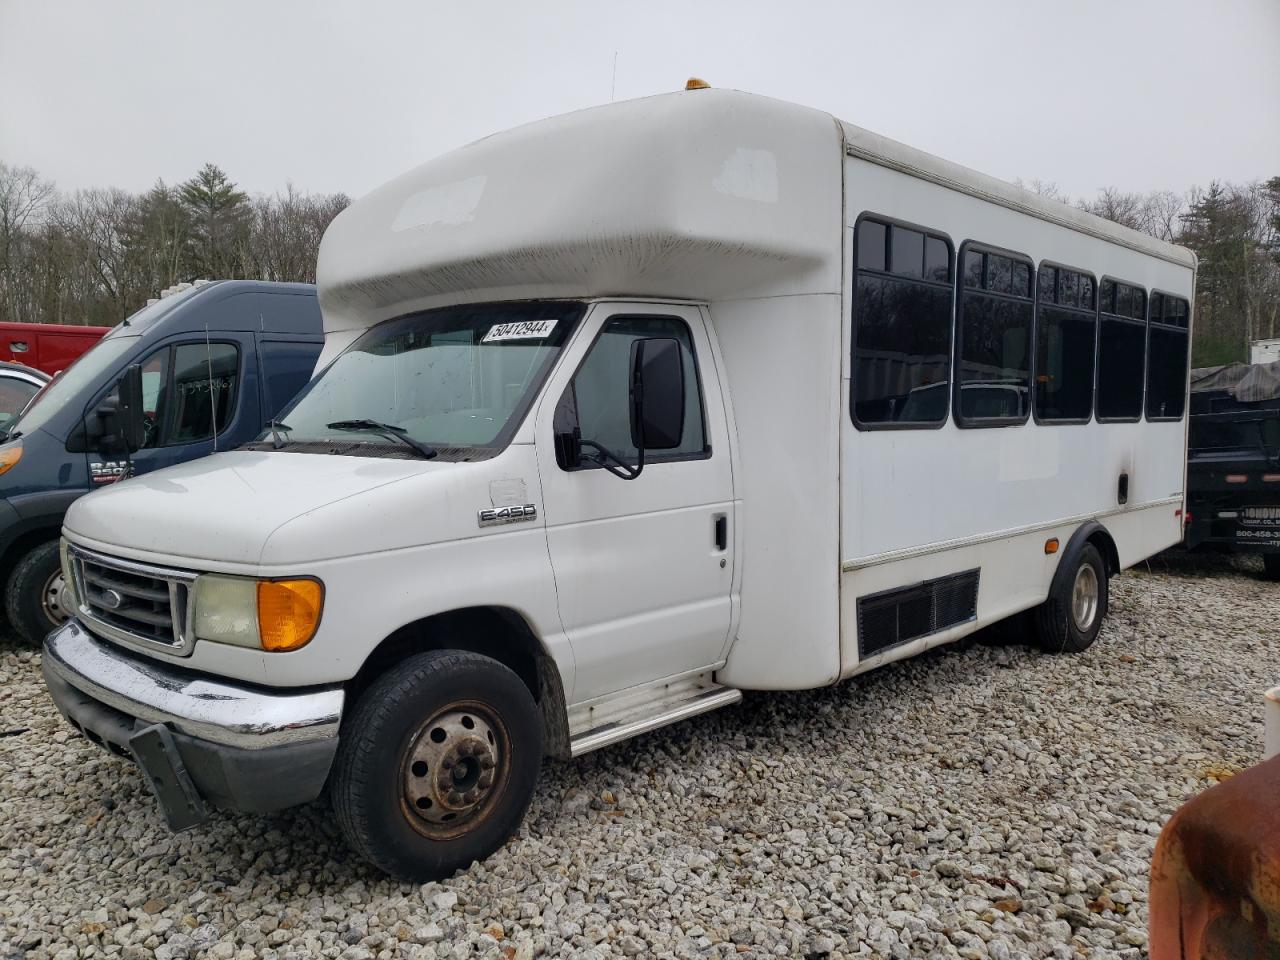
644 568
191 391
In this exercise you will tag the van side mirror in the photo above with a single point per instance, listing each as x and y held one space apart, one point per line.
657 394
656 407
120 426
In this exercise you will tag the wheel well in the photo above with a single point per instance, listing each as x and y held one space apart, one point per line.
1101 539
497 632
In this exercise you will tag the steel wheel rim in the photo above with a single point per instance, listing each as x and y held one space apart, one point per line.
1084 597
51 600
454 769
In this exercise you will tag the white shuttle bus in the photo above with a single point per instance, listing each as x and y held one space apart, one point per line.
620 414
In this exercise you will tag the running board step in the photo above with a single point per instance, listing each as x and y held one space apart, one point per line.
638 710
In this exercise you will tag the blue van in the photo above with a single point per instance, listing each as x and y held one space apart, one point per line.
217 362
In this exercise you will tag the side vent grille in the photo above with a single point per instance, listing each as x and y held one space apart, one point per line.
896 616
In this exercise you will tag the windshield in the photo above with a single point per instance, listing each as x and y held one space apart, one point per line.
457 379
87 369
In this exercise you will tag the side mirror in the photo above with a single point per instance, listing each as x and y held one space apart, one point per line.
657 394
132 425
119 426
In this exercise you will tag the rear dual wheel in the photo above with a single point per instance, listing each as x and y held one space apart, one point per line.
436 764
1271 566
1069 620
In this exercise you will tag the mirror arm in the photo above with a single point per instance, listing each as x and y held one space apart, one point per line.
622 469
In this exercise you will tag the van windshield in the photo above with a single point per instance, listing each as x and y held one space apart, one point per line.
458 379
88 368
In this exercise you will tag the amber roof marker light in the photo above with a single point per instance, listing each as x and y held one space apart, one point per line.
696 83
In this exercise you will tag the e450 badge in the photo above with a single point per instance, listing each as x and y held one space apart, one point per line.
513 514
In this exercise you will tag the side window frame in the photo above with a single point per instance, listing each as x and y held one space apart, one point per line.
568 400
171 407
957 361
1146 336
954 265
1035 344
1146 353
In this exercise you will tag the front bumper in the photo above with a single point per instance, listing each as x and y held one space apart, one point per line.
236 747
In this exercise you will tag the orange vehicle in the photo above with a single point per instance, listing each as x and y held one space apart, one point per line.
50 347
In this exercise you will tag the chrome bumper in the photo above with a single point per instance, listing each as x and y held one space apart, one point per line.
200 707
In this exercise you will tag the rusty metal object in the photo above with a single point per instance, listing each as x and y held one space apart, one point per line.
450 770
1215 876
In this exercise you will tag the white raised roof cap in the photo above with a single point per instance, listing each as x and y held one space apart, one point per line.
703 194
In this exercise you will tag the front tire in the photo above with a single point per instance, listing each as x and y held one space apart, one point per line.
1069 621
33 594
1271 566
436 764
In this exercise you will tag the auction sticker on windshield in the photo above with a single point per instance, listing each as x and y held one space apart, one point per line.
523 330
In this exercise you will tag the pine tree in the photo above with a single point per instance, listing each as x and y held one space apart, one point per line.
220 216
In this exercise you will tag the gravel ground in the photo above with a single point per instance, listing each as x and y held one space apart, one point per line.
981 801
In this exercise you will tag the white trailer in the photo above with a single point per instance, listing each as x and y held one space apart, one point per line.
629 411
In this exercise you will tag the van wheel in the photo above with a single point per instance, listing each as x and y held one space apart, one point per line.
436 764
33 597
1271 566
1069 621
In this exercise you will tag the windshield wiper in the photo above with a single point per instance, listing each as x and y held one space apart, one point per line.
275 426
400 433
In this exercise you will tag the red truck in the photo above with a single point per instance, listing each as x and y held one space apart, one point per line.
50 347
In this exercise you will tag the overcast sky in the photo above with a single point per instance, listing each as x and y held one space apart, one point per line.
1138 94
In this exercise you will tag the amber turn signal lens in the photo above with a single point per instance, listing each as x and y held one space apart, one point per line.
288 613
10 456
1051 545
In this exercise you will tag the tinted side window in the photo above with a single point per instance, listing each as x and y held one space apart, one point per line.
1066 329
1122 338
1167 346
598 398
901 325
206 381
993 361
286 368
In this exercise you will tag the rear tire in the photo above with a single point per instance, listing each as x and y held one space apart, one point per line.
31 595
436 764
1069 621
1271 566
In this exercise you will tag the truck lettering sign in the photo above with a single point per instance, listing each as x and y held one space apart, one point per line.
523 330
513 514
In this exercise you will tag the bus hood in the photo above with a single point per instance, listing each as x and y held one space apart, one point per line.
272 507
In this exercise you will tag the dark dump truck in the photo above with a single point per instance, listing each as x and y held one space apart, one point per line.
1233 461
212 365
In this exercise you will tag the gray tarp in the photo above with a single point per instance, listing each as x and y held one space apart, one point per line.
1245 382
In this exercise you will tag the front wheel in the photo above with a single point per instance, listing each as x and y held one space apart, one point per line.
1069 621
34 595
1271 566
436 764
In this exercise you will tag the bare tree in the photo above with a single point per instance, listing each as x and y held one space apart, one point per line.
23 199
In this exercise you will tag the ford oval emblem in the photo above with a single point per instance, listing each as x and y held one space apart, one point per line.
111 599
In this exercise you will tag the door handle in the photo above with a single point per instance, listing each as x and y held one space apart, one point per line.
722 531
1122 489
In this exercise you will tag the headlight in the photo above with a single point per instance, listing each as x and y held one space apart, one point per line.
10 455
274 615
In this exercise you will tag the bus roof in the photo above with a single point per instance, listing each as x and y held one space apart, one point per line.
699 195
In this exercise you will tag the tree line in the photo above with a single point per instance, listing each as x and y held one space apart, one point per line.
95 256
1234 230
